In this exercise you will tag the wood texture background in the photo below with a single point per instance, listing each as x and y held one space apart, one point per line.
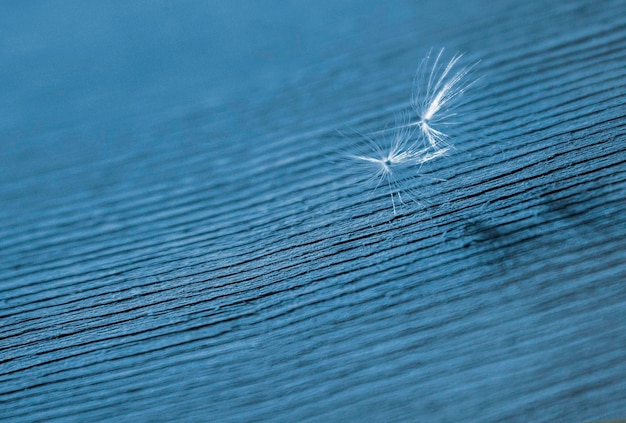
211 263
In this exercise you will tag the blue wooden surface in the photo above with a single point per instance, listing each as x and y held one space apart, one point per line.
177 242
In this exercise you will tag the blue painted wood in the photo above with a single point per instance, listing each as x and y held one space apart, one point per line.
181 244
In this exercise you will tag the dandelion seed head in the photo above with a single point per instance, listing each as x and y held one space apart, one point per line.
393 160
437 87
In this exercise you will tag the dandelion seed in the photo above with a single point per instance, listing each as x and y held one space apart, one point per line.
435 92
394 160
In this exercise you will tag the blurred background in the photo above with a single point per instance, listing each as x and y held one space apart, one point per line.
67 62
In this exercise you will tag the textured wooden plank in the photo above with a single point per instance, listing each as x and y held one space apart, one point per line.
214 264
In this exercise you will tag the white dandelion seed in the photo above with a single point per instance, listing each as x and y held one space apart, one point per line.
436 90
394 160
